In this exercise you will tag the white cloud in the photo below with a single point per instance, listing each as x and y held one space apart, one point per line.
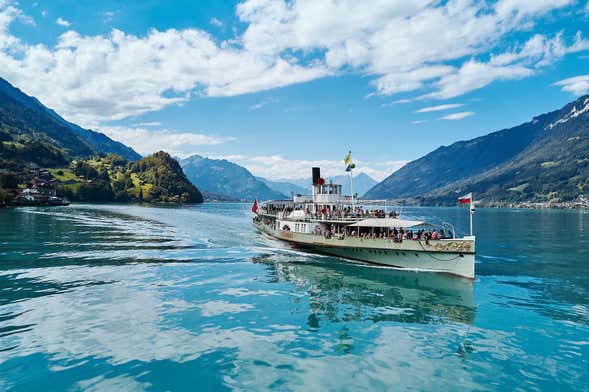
418 122
523 8
407 46
148 124
439 108
537 52
473 75
63 22
264 102
397 102
278 167
216 22
540 50
398 82
91 79
578 85
147 141
457 116
108 16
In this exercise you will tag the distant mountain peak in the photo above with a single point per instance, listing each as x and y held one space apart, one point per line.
226 179
544 160
579 107
64 133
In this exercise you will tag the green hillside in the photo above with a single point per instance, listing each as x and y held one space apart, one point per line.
111 178
28 120
36 145
546 159
223 178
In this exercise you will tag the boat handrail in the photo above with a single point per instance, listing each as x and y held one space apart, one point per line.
347 220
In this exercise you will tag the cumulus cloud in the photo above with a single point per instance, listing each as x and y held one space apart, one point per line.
473 75
457 116
406 45
216 22
264 102
90 79
537 52
108 16
148 124
63 22
439 108
279 167
8 14
578 85
445 48
146 141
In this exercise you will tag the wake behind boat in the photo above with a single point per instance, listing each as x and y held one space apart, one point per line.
331 223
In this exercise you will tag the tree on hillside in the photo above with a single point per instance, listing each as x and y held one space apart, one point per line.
8 181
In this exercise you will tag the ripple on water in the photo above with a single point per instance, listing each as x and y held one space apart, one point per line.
120 297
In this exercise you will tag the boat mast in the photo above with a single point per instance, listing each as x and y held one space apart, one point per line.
350 168
471 214
352 186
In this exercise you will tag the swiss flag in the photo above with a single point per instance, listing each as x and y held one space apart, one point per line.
465 199
255 207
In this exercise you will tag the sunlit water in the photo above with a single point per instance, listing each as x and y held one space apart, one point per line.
113 297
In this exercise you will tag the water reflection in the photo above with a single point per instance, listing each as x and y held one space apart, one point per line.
342 292
93 315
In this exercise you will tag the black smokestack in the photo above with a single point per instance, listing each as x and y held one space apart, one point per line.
316 175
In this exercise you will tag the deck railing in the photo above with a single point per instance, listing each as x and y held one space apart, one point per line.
349 218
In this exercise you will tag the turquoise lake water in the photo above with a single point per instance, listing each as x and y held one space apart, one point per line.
118 297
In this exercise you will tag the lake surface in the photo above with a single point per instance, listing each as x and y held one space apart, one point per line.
118 297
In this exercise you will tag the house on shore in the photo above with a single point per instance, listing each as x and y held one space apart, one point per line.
39 193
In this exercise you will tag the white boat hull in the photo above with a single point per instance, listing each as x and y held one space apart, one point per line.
454 256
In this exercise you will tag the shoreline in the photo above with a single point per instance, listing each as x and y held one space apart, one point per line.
523 206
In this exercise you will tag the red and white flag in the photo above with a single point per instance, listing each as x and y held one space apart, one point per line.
465 199
255 207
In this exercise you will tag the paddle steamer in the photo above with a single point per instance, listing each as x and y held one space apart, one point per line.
331 223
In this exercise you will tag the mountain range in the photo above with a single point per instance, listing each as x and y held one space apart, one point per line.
288 187
219 178
21 115
39 146
543 160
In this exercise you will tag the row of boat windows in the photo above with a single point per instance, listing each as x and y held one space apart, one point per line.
301 227
384 252
377 251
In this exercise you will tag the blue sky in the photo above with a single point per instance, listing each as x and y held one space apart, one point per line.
280 86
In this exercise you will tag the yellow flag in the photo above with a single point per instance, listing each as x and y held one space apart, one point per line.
348 158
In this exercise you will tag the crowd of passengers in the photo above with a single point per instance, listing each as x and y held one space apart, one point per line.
395 235
334 213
